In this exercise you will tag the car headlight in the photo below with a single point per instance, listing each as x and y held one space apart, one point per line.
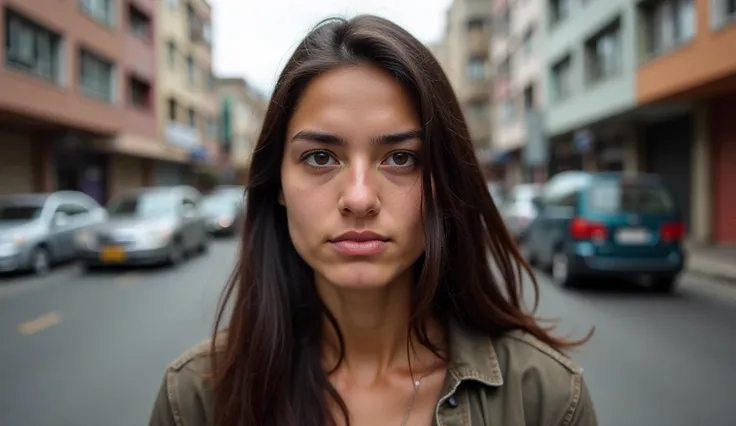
225 221
83 238
18 239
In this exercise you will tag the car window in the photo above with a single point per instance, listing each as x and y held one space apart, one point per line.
143 205
20 211
71 209
614 197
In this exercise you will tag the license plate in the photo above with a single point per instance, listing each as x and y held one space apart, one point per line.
112 254
630 236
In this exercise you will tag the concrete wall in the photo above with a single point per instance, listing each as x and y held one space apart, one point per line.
588 104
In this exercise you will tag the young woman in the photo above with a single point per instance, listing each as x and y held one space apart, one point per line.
377 284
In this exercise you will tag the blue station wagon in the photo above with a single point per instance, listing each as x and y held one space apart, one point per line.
607 225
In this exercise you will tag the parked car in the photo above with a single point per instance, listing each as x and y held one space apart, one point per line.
518 209
608 224
147 226
37 230
225 210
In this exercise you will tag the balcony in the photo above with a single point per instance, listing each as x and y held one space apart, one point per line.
141 123
477 89
183 136
140 57
147 6
479 42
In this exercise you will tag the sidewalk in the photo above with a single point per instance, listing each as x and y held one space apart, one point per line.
714 261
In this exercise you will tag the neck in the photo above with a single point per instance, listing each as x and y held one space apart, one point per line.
375 327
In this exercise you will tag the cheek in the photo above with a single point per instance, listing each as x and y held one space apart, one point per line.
304 208
409 214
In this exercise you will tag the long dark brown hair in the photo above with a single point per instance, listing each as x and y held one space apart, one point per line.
267 367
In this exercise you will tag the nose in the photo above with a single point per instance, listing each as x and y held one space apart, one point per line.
359 195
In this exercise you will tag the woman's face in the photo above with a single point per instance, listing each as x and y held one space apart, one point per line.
351 178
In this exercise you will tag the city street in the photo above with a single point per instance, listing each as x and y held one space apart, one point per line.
90 349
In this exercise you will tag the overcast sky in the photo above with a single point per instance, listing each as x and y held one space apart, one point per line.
253 38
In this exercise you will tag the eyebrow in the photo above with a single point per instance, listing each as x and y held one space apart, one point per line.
330 139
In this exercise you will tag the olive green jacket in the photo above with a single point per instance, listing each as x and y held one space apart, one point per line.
515 380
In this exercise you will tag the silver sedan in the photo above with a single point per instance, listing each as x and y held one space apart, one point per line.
147 226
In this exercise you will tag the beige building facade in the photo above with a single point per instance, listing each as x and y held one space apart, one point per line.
186 99
517 82
242 109
464 53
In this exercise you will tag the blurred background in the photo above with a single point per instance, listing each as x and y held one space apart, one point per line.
605 128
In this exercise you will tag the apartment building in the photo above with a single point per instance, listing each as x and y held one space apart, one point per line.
186 100
464 53
76 80
647 85
686 69
242 110
518 94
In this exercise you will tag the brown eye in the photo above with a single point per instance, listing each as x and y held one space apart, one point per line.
320 159
401 159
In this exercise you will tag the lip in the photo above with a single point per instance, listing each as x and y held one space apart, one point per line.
359 243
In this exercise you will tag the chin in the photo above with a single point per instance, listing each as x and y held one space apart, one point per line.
360 276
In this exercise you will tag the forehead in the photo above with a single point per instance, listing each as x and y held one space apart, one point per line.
354 99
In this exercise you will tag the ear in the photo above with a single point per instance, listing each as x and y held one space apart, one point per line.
282 201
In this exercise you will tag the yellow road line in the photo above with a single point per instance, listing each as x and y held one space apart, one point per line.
41 323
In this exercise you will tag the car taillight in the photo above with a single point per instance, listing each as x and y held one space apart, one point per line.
672 231
581 229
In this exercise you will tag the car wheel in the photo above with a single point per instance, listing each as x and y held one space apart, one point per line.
176 253
204 244
664 285
561 270
40 261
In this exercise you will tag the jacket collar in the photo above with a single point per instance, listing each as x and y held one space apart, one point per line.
472 357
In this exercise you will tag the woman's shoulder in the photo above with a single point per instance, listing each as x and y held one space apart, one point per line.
185 395
533 382
551 383
521 351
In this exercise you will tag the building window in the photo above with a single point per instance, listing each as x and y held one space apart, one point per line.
723 12
508 111
476 24
96 77
562 79
669 23
139 94
31 48
172 109
192 118
560 10
171 54
140 23
504 68
528 41
211 128
478 110
604 53
476 69
100 10
191 69
207 32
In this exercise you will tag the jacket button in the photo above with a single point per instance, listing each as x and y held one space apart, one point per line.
452 402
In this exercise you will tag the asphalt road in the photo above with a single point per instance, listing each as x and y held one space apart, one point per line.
90 349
